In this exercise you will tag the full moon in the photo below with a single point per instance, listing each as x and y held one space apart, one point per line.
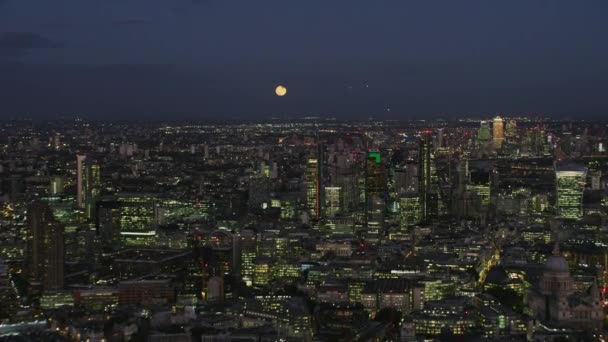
281 90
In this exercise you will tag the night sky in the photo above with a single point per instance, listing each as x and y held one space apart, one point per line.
166 59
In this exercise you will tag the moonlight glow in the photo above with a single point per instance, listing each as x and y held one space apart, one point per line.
281 90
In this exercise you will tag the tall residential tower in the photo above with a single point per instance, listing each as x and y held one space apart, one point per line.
45 248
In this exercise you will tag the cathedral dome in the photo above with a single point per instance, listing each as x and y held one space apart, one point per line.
556 262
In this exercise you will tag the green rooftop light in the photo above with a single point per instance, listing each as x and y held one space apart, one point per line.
374 155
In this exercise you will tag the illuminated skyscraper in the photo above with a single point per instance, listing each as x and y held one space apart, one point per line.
128 219
479 183
410 210
375 187
570 181
45 248
375 177
247 250
511 130
498 132
346 177
535 142
595 175
427 180
88 184
484 135
56 186
91 186
95 179
313 188
511 144
261 272
333 196
80 168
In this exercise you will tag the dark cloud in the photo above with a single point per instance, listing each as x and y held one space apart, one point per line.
19 42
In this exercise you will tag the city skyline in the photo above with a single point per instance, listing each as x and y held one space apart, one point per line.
303 171
303 230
